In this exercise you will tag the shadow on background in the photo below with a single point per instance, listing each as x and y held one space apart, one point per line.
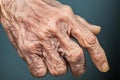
105 13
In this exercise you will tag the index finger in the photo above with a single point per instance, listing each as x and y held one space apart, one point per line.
88 40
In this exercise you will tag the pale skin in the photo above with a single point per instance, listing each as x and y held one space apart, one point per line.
40 30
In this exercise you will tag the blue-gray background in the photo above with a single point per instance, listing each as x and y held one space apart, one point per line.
105 13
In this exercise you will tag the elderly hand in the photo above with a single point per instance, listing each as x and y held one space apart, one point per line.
41 32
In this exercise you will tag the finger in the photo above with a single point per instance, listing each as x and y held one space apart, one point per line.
36 65
90 42
73 53
95 29
55 63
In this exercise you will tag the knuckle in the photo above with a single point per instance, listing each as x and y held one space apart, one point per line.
36 66
55 73
33 48
53 29
77 55
79 71
59 71
89 40
67 9
39 73
98 56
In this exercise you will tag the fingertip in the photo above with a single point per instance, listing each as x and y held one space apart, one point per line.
79 72
96 29
58 72
104 67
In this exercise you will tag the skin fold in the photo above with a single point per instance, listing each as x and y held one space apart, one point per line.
41 31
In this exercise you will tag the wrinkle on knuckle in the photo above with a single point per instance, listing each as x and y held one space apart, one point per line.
78 69
98 55
36 65
89 40
80 72
39 72
54 73
59 72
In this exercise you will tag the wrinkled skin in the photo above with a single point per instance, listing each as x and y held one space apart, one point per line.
40 31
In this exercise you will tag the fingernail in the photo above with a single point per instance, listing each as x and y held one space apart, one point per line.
96 26
105 67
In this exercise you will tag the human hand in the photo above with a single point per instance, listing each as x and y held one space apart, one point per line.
40 30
